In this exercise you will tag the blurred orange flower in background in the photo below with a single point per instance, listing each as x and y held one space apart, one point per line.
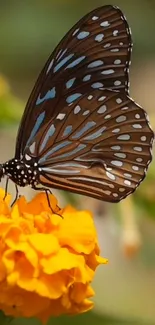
47 261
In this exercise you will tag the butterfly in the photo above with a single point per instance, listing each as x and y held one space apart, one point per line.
81 131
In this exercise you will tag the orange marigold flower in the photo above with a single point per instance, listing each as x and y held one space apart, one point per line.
47 261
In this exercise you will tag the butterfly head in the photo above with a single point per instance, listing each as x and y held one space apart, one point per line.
2 171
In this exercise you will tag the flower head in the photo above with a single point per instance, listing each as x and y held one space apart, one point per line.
48 260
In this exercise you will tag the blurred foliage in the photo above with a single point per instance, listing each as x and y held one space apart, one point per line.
144 198
89 318
29 31
10 105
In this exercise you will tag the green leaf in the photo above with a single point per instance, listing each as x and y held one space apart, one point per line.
5 320
24 321
90 318
10 110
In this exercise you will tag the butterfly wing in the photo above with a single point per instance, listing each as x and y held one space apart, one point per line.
95 53
100 146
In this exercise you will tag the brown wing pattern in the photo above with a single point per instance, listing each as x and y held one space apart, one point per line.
95 53
101 148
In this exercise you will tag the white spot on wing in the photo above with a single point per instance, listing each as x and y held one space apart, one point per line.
87 77
137 148
121 118
121 189
114 50
111 176
106 72
116 148
95 64
127 182
107 45
118 61
50 66
137 126
86 112
96 85
116 130
107 117
116 163
102 98
139 159
27 157
60 116
118 100
102 109
82 35
136 168
99 37
120 155
95 18
117 83
127 175
75 32
124 137
105 24
143 138
115 32
32 147
77 109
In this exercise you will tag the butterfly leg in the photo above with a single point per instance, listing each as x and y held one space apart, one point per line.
6 188
47 192
6 192
16 197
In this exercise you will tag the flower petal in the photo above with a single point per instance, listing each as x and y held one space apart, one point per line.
45 244
77 230
47 262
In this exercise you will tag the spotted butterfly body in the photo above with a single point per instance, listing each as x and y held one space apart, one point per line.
81 131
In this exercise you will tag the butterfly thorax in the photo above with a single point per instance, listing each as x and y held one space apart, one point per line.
20 173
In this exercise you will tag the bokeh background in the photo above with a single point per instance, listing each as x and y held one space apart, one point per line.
29 31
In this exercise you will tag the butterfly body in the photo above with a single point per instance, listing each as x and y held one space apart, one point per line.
20 173
80 130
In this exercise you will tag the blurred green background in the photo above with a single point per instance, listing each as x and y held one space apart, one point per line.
29 31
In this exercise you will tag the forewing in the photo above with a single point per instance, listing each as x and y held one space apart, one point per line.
95 53
99 146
